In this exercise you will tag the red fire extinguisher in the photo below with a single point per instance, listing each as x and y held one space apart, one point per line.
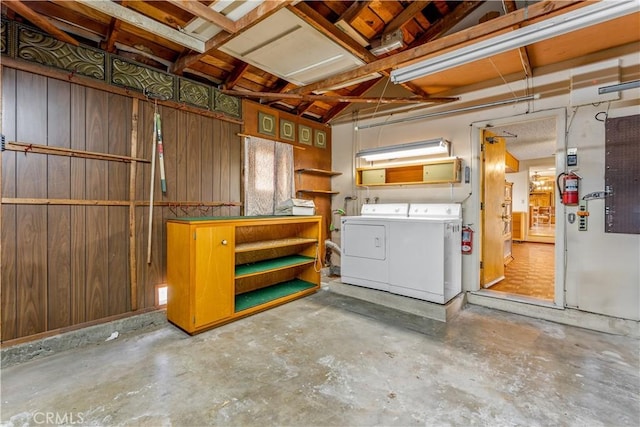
467 240
568 187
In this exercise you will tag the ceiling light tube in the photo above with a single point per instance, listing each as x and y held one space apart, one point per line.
617 88
412 149
602 11
454 111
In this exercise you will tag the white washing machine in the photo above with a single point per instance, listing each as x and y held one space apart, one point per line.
413 252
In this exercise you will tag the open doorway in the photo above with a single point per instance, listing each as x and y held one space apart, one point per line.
529 232
541 224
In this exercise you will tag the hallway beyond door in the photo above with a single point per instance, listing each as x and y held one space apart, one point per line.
531 273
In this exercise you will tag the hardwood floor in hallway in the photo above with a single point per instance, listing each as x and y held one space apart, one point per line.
531 273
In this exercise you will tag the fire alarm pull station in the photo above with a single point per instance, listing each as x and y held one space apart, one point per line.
572 157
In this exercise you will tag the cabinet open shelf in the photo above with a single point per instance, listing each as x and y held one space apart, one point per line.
271 293
273 244
322 172
266 266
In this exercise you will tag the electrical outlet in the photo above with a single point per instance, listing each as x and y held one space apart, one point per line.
583 214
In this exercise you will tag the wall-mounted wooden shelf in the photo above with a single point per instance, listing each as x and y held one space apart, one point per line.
432 172
322 172
322 192
319 173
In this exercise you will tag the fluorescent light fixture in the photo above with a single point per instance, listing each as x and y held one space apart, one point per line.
386 48
388 42
599 12
617 88
454 111
412 149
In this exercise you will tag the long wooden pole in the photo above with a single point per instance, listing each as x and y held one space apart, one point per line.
87 202
26 148
151 184
337 98
133 274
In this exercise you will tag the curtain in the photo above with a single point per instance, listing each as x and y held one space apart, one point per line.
268 175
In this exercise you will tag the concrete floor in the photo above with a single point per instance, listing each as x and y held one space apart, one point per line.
329 360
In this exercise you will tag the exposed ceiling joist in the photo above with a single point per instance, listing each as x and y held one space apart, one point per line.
42 22
447 23
235 75
147 24
338 98
497 24
405 16
188 59
510 6
359 91
201 11
353 11
112 34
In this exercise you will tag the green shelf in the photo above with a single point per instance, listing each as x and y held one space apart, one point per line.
271 264
271 293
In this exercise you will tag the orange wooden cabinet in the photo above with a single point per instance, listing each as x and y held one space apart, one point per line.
222 269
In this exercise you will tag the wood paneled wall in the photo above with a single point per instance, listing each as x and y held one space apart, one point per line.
66 264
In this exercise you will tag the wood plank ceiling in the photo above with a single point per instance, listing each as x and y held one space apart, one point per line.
197 39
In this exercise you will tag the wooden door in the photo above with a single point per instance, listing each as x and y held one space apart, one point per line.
214 274
493 202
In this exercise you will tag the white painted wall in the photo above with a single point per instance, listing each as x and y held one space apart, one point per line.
520 189
602 269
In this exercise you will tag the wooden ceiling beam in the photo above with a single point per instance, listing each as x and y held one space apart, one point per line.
73 19
40 21
235 75
338 98
353 11
448 22
341 106
201 11
406 15
510 6
85 12
145 23
534 11
303 108
112 35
